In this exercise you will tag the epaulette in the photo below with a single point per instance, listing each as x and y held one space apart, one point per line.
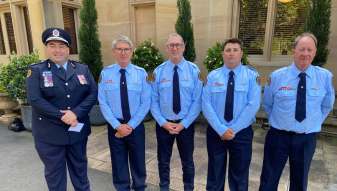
251 67
194 66
321 68
140 68
37 63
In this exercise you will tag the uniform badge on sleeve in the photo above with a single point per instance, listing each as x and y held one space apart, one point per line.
82 79
268 80
258 80
150 77
29 73
47 79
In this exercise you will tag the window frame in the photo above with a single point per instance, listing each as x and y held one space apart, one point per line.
267 58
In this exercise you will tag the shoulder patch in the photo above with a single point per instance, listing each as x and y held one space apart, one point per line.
258 80
251 68
29 73
150 77
269 80
201 78
100 78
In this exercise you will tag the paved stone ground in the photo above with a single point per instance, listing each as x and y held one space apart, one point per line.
22 170
323 174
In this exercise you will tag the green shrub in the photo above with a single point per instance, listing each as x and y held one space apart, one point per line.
13 75
147 56
214 60
90 46
318 23
184 27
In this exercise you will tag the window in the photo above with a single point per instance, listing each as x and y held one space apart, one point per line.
289 23
28 30
268 27
252 25
2 42
10 32
70 26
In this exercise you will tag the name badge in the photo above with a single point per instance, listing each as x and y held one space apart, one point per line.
47 79
82 79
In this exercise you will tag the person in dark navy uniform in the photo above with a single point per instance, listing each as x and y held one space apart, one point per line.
61 93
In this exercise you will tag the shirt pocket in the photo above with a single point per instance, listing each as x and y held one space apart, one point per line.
241 88
315 96
286 99
165 85
111 87
135 87
165 92
241 93
218 95
218 89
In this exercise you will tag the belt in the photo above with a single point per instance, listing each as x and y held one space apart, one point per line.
174 121
122 121
284 132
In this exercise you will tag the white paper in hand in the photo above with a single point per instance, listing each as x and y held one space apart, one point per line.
77 128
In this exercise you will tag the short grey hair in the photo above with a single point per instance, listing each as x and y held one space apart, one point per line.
305 34
175 35
122 38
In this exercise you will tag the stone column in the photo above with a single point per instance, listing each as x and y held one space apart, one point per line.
37 22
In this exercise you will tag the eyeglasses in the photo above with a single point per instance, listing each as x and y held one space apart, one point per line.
175 45
121 50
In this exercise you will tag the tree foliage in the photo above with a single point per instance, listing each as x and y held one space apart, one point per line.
147 56
184 27
318 23
90 46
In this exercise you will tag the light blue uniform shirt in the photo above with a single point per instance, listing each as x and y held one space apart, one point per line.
139 94
247 96
279 99
190 87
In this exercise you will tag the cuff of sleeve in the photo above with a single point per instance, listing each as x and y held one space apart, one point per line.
162 121
132 124
221 130
115 124
185 123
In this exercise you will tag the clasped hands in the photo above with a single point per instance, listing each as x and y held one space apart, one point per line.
69 118
228 135
123 130
173 128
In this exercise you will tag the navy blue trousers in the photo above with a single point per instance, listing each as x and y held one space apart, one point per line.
56 159
281 145
128 153
239 150
185 144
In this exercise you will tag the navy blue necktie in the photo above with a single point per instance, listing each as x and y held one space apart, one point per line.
229 97
62 72
124 96
301 98
176 92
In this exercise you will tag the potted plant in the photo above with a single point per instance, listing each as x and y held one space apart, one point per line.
7 114
13 80
147 56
